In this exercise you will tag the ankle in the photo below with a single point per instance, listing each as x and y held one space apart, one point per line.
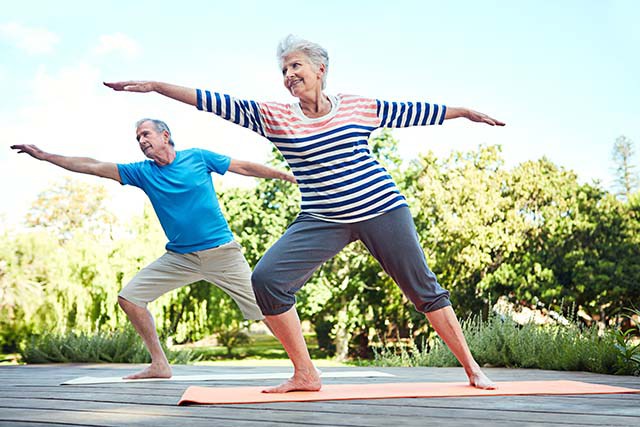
472 368
308 372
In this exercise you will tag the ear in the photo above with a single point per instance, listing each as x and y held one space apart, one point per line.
321 70
165 136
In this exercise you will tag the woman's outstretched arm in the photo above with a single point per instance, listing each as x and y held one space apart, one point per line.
179 93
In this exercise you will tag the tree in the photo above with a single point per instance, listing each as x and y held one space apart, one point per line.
71 205
460 211
626 177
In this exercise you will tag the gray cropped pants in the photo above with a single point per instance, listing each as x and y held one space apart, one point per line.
308 242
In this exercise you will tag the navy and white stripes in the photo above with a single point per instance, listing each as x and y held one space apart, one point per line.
339 179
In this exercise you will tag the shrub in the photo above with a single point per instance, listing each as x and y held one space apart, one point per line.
114 347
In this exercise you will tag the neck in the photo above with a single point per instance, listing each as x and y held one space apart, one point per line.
317 105
166 157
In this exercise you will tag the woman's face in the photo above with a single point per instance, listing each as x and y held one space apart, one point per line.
300 75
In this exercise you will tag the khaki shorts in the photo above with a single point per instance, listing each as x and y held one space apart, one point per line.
223 266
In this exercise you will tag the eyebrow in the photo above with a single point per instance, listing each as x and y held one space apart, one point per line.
140 134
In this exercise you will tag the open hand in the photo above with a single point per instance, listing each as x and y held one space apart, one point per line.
476 116
30 149
131 86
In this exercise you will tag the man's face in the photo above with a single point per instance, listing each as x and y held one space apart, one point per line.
150 140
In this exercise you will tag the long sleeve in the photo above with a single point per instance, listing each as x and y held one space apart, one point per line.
245 113
405 114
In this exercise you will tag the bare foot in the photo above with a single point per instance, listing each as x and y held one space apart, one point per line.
300 381
478 379
152 371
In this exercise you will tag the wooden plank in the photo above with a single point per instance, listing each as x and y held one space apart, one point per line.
312 416
153 396
547 411
547 404
35 390
100 419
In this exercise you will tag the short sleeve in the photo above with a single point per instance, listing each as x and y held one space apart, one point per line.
215 162
130 173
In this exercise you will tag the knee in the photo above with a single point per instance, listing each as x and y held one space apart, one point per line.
260 280
124 304
272 295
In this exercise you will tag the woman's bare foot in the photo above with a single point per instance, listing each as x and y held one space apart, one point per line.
478 379
152 371
301 381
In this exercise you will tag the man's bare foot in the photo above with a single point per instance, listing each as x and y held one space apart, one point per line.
478 379
301 381
152 371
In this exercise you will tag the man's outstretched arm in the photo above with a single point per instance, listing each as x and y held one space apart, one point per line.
259 171
179 93
74 164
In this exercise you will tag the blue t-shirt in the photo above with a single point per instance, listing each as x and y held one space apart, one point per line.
183 197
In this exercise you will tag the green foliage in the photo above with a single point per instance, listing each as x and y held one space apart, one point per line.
533 233
123 346
258 217
194 312
464 220
71 205
232 338
502 342
258 347
628 349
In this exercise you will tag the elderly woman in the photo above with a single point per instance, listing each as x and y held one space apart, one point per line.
346 196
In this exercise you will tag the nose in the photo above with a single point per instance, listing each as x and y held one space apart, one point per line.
289 74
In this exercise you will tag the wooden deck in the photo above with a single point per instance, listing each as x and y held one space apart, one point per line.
31 395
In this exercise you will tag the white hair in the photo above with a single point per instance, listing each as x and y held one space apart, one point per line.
317 54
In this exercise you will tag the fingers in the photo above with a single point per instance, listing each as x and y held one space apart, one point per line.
115 86
483 118
130 86
493 122
21 148
120 86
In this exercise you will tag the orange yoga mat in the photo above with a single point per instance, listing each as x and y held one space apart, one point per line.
228 395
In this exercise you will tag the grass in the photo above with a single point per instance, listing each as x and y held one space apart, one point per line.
260 347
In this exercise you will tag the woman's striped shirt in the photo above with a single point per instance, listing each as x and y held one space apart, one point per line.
339 179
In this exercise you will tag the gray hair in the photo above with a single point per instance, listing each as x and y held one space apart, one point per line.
317 54
159 125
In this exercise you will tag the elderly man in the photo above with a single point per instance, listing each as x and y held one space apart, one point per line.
201 245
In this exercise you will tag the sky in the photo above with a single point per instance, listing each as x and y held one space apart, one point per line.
562 75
